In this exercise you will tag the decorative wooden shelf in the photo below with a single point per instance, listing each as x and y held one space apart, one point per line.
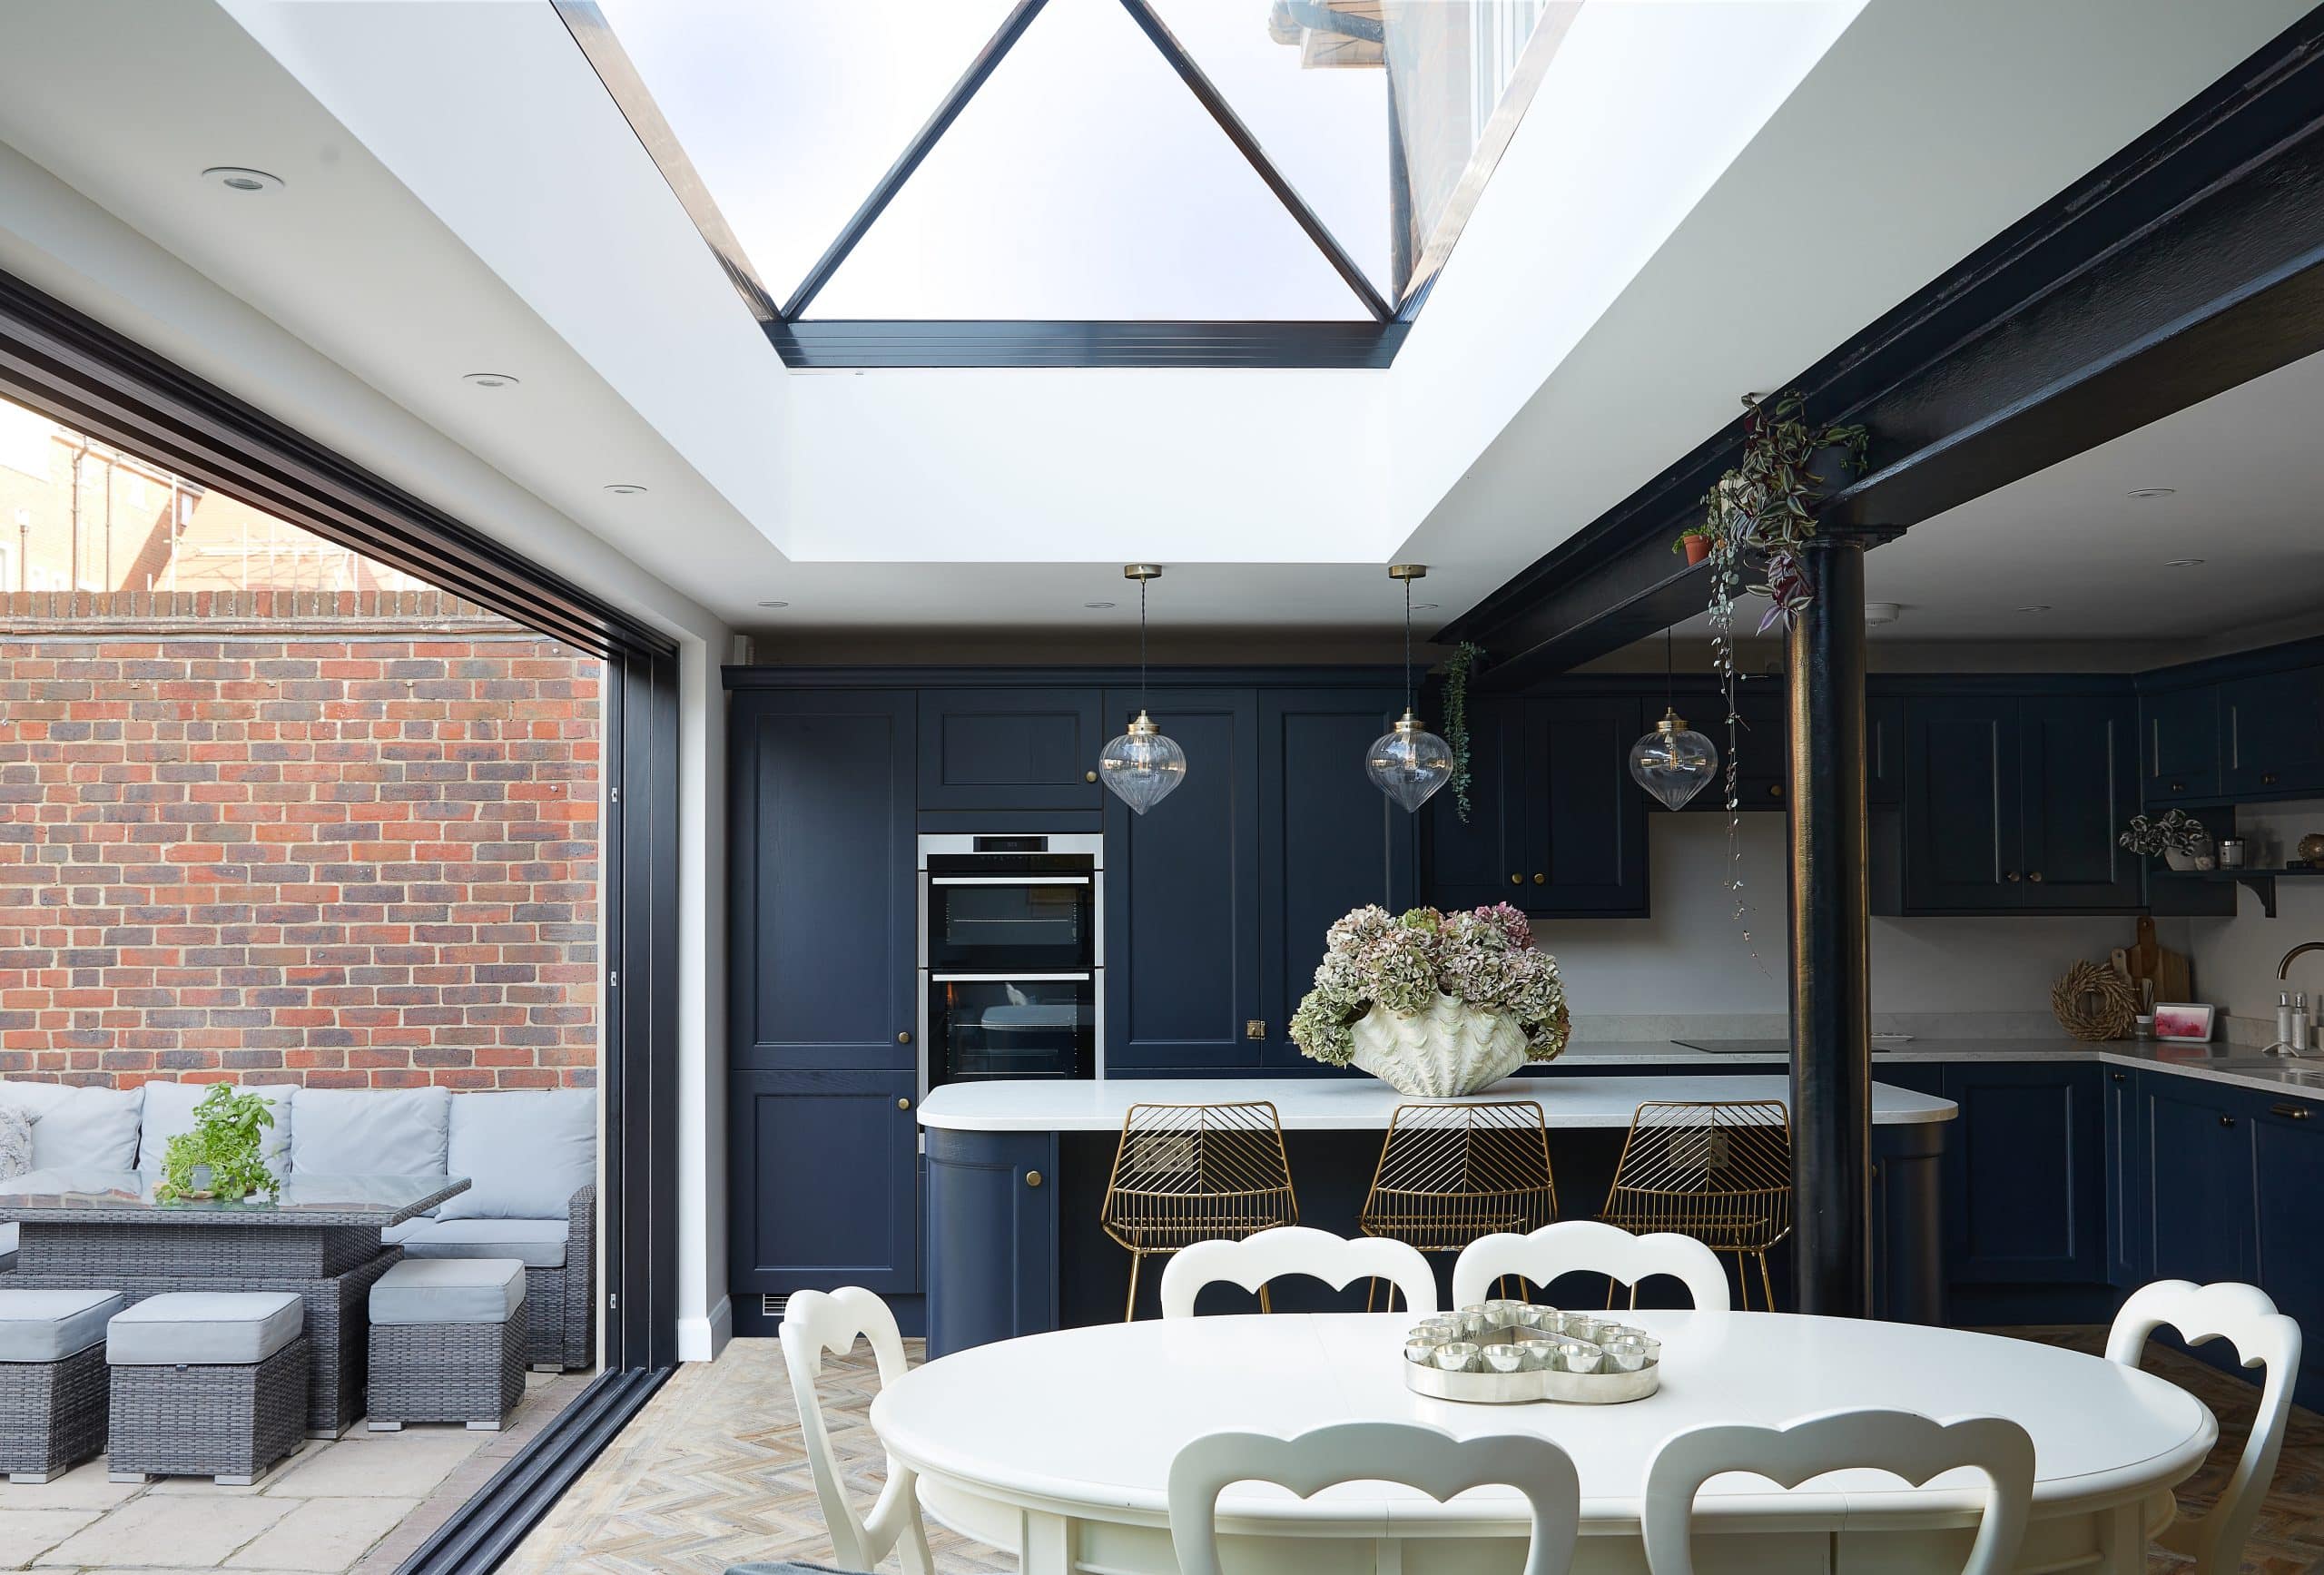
2262 882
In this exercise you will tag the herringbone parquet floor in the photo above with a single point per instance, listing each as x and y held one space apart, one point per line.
712 1473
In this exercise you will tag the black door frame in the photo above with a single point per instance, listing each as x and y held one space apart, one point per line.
81 373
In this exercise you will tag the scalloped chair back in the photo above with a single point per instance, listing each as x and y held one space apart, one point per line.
1587 1246
1296 1249
820 1322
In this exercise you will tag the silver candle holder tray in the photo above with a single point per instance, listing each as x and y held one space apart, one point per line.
1517 1353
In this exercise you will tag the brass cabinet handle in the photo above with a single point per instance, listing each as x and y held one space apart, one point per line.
1032 1178
2010 876
1539 879
2035 877
903 1104
904 1038
1088 776
2266 779
2227 1120
2291 1112
1255 1028
2178 787
1517 880
2120 1076
1775 790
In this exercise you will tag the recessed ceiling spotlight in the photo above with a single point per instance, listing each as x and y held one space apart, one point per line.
489 380
2183 563
1424 606
776 604
624 488
1096 606
2144 492
236 179
1882 612
2038 608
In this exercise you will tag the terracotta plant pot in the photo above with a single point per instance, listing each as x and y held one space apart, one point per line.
1697 550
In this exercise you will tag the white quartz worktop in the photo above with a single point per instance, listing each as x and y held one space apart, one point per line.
2239 1065
1357 1104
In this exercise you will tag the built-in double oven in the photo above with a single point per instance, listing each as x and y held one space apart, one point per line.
1012 955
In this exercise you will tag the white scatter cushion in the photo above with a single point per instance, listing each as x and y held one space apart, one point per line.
524 1154
204 1328
371 1131
7 1237
168 1111
449 1291
81 1129
538 1244
50 1325
15 1141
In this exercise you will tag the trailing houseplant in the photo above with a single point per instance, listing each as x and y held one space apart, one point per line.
219 1157
1457 669
1433 1004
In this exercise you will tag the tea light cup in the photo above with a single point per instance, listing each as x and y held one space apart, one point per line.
1541 1355
1504 1356
1460 1356
1505 1315
1437 1331
1580 1356
1547 1318
1627 1352
1582 1325
1422 1350
1472 1322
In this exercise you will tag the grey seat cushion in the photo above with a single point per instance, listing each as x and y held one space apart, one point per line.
204 1329
402 1231
525 1153
50 1325
538 1244
448 1291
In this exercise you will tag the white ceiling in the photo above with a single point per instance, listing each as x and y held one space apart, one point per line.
462 196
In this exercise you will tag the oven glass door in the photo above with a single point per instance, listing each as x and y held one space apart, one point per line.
982 1027
1029 922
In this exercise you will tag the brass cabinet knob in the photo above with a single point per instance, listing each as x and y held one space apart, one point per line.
903 1104
2178 787
904 1038
2266 779
2120 1076
2227 1120
1775 790
2035 877
1517 880
1032 1178
1088 776
2010 876
1539 879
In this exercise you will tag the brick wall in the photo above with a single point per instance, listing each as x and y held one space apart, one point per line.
313 856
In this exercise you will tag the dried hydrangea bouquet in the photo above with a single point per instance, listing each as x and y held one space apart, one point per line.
1433 1004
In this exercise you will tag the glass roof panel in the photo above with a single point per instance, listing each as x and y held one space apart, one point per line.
790 110
1085 182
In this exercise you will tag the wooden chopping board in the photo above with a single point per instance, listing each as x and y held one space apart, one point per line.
2149 959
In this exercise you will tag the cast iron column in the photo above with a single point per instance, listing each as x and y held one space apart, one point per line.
1831 988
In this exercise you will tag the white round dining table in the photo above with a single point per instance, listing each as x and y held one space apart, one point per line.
1057 1447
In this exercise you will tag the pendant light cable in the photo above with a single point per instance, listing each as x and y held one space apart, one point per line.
1408 647
1141 645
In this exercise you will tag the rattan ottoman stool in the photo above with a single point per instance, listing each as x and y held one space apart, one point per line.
51 1380
447 1343
207 1383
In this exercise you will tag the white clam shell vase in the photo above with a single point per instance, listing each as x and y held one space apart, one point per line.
1449 1049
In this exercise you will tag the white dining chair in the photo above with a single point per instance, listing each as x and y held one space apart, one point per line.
1296 1249
1418 1456
2262 1337
817 1322
1587 1246
1899 1442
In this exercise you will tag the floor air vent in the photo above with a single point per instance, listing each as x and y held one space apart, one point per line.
772 1306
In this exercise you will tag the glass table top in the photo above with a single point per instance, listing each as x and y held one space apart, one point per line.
70 1194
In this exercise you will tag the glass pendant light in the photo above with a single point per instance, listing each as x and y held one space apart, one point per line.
1673 763
1143 764
1408 762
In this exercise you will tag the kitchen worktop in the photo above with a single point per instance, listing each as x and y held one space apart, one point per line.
2239 1065
1351 1103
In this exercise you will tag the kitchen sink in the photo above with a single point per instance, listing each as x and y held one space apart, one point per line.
2308 1072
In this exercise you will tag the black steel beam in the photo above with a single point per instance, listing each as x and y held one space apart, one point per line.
2191 261
1831 994
1012 27
1158 33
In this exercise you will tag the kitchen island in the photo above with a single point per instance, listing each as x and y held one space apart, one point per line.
1017 1171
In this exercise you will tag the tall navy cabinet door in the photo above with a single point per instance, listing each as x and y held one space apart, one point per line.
2200 1200
1474 862
2128 1235
2179 736
2026 1194
1009 749
1329 840
2272 733
1182 894
824 912
2288 1139
2078 788
832 1197
1586 841
1963 840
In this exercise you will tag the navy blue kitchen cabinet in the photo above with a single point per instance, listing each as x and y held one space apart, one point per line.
1884 752
2013 804
1474 862
2287 1175
1182 894
2179 734
831 1194
2129 1230
823 854
1011 749
2197 1180
1329 840
992 1199
2271 742
1762 747
2025 1181
1556 825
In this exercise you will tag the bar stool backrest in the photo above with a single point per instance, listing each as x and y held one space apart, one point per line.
1900 1442
1434 1462
1449 1174
1586 1246
816 1323
2262 1337
1719 1170
1296 1249
1189 1173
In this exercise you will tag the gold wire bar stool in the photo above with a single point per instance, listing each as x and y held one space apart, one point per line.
1716 1170
1449 1174
1190 1173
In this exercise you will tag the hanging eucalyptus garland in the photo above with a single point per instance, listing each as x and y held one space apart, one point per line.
1458 667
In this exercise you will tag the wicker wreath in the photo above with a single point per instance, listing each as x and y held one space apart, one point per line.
2094 1002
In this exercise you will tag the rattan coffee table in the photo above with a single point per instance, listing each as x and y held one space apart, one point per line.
104 1230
